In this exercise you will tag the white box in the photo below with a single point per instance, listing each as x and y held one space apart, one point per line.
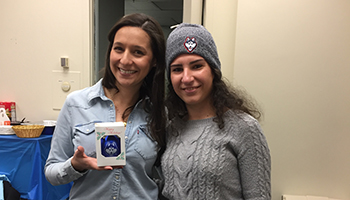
110 144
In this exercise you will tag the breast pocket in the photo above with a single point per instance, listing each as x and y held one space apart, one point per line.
84 135
145 146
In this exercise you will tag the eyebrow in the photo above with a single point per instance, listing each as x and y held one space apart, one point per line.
192 62
117 43
134 46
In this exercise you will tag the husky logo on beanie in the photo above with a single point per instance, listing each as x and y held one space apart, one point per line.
190 44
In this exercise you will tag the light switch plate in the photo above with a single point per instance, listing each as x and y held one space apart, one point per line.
60 79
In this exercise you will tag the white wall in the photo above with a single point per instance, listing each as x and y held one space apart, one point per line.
294 58
34 35
220 19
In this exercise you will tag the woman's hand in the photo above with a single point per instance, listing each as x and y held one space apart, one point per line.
81 162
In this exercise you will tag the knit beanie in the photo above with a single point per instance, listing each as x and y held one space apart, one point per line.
191 39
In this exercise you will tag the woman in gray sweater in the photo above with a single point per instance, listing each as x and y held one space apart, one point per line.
215 146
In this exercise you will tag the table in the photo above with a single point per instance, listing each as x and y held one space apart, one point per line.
22 160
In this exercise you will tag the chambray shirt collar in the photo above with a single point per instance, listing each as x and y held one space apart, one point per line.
96 92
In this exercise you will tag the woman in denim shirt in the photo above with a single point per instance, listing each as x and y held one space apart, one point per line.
131 91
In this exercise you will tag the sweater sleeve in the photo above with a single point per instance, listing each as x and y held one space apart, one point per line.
254 161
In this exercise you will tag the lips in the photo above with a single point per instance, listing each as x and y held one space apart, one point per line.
190 89
122 71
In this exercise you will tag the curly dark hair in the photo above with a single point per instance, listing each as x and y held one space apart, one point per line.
224 96
154 83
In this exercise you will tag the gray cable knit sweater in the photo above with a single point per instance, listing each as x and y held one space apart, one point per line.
203 162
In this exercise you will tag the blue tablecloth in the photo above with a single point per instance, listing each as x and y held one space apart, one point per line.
22 160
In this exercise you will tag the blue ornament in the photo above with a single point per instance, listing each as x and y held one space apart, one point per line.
110 146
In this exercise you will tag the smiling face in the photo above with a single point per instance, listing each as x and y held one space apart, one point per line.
130 57
192 80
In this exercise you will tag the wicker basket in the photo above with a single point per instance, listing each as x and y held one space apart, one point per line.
28 131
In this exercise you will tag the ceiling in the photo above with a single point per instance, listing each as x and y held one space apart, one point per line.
166 12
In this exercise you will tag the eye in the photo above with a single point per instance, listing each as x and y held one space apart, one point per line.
118 49
139 53
176 69
197 66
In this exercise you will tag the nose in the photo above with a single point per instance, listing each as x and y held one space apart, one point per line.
187 76
126 58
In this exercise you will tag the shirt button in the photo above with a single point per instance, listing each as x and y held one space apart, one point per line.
111 105
116 177
114 197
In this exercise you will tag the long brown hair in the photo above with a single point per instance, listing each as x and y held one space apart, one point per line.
224 96
153 85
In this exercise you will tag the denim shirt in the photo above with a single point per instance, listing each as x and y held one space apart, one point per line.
75 127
